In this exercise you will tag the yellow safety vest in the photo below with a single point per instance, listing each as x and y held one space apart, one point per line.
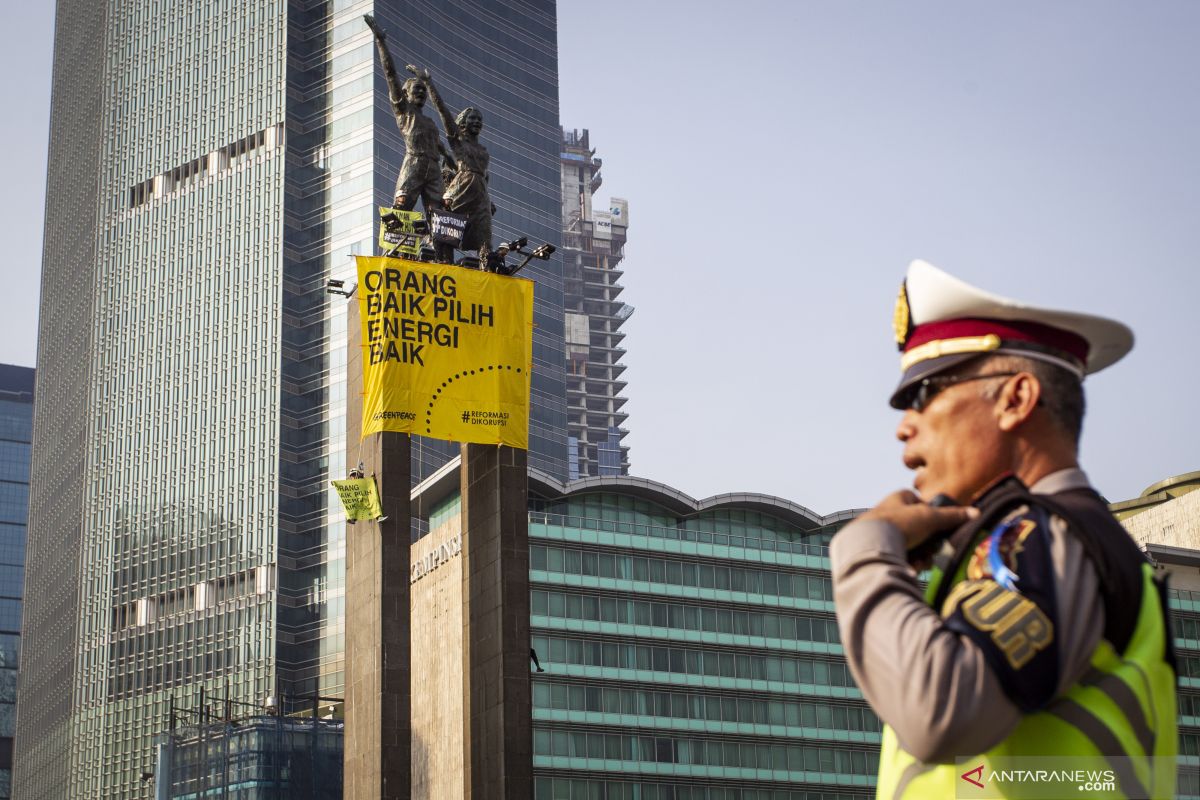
1119 716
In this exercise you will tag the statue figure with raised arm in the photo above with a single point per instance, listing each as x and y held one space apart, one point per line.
467 191
420 174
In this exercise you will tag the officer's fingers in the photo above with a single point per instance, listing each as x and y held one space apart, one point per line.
935 518
898 499
918 522
893 508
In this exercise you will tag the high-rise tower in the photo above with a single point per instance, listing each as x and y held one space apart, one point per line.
212 164
593 248
16 424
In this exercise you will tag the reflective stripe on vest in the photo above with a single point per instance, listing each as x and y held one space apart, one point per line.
1122 710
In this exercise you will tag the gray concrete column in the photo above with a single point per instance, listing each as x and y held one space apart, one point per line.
497 707
377 755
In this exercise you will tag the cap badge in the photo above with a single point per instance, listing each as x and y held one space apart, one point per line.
902 318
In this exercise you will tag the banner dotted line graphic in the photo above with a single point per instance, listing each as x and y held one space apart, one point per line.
458 375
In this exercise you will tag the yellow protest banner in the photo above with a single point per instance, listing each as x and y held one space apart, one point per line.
398 229
446 351
360 498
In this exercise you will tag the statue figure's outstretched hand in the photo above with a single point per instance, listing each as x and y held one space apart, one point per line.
423 74
374 26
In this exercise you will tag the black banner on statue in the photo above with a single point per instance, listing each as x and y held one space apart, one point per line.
446 227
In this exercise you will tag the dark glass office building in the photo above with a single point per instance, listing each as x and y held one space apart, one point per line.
211 166
16 428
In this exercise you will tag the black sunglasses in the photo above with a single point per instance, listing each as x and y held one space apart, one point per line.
923 393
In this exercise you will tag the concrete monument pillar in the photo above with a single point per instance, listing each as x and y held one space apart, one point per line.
497 696
377 743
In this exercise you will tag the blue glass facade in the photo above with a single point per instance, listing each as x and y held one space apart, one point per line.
1185 617
16 436
691 652
211 166
260 758
610 454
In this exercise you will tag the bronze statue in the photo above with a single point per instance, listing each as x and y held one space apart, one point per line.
420 174
467 192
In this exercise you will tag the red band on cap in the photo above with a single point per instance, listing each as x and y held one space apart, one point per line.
1009 331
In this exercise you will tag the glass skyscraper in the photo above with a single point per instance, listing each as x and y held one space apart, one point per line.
16 428
211 166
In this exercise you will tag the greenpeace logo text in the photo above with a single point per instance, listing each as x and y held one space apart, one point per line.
395 415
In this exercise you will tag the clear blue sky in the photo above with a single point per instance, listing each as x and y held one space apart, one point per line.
1045 151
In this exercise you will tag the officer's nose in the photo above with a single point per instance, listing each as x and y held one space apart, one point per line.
908 426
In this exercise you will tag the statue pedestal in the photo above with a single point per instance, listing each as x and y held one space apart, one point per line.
498 703
377 743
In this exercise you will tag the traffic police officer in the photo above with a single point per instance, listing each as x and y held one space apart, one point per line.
1043 631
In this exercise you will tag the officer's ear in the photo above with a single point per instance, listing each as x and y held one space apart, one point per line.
1016 401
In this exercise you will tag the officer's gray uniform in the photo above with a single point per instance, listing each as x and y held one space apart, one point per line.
907 662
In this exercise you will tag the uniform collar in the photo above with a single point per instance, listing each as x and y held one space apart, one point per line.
1062 481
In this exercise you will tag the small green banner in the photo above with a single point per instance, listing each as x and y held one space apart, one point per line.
359 498
398 231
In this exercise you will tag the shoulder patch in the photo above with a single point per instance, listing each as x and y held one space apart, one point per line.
1006 606
1015 624
996 555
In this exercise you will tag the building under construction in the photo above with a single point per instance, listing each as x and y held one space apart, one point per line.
593 248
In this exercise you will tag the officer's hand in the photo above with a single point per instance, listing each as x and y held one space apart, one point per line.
916 520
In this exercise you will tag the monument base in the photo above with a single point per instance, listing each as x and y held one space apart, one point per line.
377 606
498 703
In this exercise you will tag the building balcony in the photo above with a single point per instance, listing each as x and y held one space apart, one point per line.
599 288
604 386
599 371
603 421
617 352
608 309
606 340
596 269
